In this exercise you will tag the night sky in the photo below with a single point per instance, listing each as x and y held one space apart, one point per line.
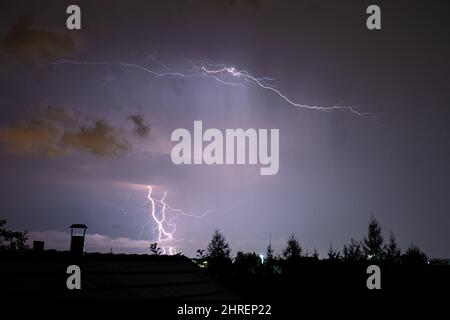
80 143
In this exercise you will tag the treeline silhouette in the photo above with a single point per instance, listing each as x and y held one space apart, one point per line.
218 261
372 249
346 269
276 274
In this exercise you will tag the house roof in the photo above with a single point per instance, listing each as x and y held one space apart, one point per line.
109 276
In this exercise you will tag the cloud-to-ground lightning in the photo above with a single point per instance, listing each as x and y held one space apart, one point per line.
160 219
163 219
227 75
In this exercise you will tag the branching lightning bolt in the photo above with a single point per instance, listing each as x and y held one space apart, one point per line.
163 218
163 233
225 75
165 225
261 82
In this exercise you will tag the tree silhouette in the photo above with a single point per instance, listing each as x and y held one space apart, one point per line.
154 249
306 253
269 252
414 256
293 248
269 262
12 240
392 251
333 254
353 252
315 254
246 264
218 247
218 255
200 254
373 243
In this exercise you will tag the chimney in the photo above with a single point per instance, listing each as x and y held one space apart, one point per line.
77 233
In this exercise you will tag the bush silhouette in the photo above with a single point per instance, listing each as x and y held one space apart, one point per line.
12 240
247 264
352 252
414 256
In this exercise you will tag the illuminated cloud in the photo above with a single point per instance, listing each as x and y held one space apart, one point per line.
60 240
99 139
32 137
56 131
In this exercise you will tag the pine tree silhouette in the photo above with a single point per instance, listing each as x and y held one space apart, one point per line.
218 246
218 255
333 254
353 252
269 263
293 248
269 253
373 243
392 250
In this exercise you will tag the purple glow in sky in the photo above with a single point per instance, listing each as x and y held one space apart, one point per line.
80 143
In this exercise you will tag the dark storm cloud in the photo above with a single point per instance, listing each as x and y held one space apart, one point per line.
141 126
57 131
251 3
99 139
36 44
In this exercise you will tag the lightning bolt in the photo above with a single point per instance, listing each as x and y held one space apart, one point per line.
261 82
164 234
226 75
163 218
